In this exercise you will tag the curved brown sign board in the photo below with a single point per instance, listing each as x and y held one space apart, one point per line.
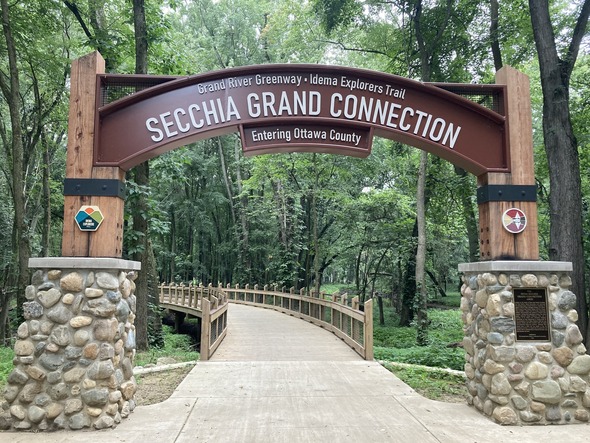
286 108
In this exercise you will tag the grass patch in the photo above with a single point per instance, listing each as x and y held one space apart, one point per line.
330 288
177 346
435 356
435 385
452 300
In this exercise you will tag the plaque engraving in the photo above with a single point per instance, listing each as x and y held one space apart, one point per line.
531 314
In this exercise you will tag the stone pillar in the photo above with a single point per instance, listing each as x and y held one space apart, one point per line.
515 381
73 364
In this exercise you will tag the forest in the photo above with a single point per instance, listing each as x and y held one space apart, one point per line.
395 224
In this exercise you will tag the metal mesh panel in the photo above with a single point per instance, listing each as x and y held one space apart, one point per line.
115 87
357 331
337 320
217 328
346 326
327 314
488 96
305 308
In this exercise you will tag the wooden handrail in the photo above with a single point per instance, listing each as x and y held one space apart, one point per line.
209 304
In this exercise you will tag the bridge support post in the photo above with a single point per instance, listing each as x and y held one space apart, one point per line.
178 320
73 365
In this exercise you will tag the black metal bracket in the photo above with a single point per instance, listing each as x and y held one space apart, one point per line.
100 187
506 193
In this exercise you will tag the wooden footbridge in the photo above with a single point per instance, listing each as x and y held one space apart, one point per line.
337 313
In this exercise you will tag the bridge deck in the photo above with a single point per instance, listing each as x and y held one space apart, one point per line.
280 379
256 334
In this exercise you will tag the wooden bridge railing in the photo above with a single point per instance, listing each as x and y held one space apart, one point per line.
335 312
207 303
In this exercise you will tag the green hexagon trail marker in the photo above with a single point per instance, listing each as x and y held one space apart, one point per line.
89 218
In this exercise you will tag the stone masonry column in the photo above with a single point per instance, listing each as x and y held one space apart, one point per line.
526 380
73 364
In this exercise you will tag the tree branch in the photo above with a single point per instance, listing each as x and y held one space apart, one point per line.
74 8
344 47
574 47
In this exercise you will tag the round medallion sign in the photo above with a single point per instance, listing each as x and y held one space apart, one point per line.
514 220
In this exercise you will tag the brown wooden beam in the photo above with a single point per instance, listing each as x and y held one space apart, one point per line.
107 241
495 241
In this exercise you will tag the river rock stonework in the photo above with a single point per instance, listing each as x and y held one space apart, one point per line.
73 364
523 382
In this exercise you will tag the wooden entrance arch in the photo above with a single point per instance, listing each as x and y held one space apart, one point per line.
287 108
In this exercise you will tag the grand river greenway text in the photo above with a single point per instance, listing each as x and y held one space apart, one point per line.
223 111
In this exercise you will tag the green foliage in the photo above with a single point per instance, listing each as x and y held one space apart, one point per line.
6 366
335 13
177 346
446 325
393 343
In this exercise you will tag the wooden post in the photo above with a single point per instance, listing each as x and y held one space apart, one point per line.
495 241
368 334
205 329
107 241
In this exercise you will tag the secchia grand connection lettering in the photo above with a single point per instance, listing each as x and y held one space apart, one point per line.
349 107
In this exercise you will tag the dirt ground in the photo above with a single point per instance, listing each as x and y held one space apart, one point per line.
156 387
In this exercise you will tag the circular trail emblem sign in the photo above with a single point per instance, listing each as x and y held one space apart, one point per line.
514 220
89 218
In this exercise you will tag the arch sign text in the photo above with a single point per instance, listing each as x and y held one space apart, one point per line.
286 108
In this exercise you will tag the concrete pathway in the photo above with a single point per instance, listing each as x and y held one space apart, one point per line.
276 378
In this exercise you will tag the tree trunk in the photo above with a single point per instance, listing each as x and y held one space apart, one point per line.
495 43
421 293
465 194
140 224
46 223
244 239
408 289
379 298
565 198
146 319
381 314
12 94
316 221
437 285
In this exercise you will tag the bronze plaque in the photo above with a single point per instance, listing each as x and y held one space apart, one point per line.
531 314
